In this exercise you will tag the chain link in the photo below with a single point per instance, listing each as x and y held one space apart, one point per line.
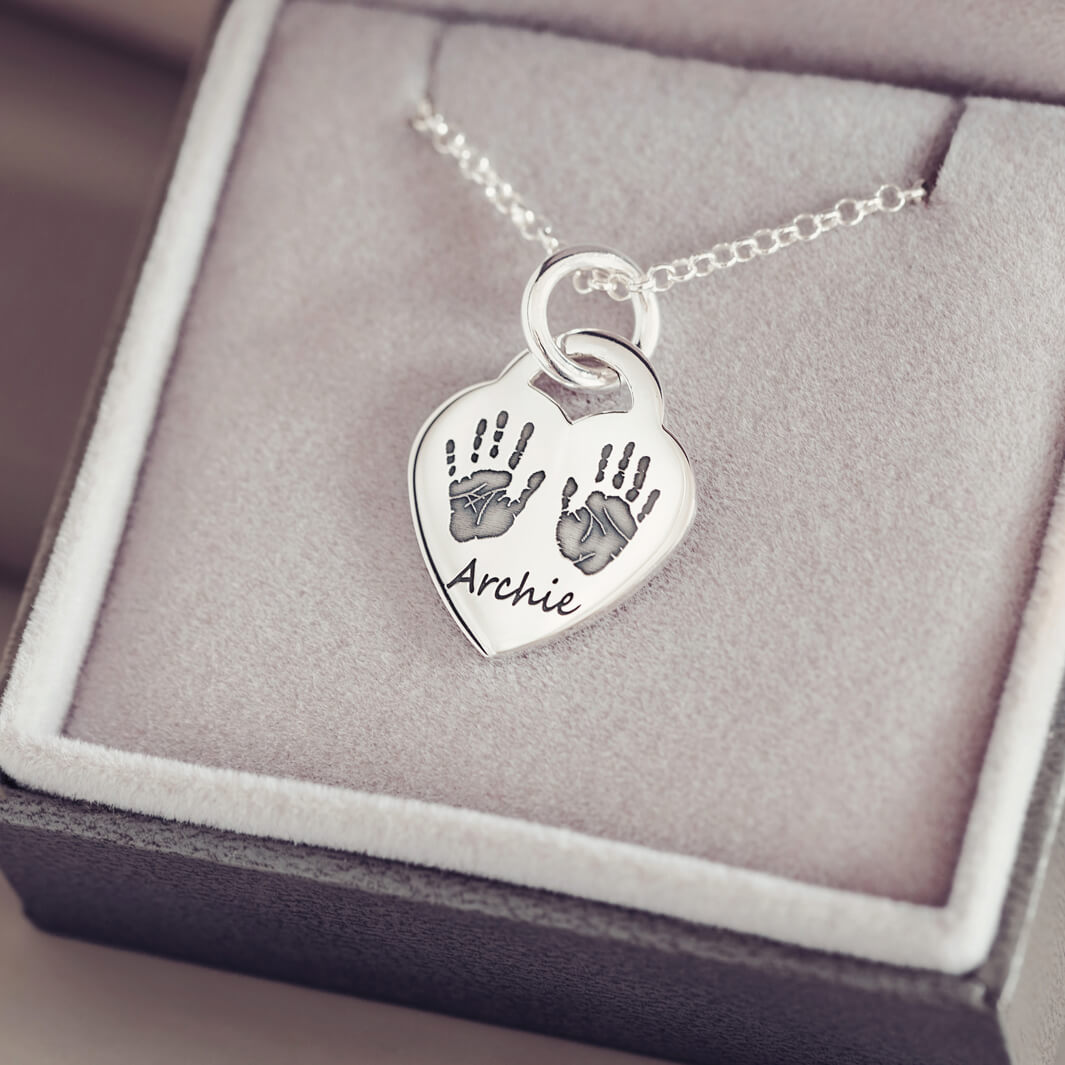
448 140
475 166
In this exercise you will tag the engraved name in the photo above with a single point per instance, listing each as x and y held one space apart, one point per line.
504 588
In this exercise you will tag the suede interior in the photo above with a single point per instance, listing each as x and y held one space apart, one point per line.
875 422
999 47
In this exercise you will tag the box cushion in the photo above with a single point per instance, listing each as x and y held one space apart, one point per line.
875 422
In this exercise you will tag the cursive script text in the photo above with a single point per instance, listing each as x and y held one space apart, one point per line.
504 588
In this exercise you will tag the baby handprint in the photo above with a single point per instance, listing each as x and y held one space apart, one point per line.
593 535
481 504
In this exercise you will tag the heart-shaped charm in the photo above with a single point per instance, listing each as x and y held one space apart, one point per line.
531 523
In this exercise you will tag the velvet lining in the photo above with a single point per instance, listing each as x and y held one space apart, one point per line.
961 47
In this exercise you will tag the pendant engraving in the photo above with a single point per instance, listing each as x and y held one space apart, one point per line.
531 524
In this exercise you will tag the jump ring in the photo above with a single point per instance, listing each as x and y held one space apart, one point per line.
542 343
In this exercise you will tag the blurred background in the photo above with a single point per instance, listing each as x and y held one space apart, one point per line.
89 92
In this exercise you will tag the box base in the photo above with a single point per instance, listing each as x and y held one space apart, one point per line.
474 949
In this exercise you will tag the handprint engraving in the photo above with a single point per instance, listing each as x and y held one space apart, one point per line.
480 505
592 536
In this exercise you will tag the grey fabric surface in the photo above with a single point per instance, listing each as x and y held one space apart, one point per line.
63 1001
875 459
478 949
1001 47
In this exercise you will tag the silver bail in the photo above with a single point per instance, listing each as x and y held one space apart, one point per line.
538 336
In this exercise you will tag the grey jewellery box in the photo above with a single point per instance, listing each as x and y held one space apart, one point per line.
797 799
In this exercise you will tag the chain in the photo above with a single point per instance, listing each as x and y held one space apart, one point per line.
475 166
888 199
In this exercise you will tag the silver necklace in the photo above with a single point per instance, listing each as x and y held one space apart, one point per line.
531 523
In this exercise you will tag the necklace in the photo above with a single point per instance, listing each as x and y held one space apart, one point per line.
529 522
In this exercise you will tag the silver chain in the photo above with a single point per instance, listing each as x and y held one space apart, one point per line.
475 166
447 139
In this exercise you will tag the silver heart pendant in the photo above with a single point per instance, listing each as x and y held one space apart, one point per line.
531 523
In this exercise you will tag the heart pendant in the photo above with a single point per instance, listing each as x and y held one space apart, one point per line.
531 523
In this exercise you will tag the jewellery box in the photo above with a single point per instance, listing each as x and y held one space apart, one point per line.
797 799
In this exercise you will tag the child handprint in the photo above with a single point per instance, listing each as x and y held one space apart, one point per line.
480 505
592 536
